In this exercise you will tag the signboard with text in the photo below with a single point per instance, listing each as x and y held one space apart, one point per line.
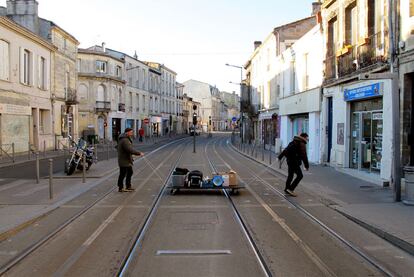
363 92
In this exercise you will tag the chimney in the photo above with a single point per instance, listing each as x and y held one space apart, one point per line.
135 55
24 13
257 44
316 7
103 46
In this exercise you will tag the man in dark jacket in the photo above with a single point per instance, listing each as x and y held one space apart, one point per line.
295 154
125 161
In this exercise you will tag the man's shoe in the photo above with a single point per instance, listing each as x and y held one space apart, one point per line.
122 190
291 193
129 189
286 192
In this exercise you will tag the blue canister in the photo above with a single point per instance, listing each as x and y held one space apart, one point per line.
217 181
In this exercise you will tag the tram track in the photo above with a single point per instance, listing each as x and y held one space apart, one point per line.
148 219
262 262
305 212
18 258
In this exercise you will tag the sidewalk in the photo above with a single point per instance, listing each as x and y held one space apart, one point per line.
366 203
20 158
22 201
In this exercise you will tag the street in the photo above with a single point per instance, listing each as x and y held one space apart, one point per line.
150 232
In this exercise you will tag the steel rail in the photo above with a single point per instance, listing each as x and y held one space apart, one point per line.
309 215
262 262
33 247
142 231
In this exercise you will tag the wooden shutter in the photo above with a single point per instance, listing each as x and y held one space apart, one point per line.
21 69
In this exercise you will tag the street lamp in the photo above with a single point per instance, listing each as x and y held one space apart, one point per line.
241 112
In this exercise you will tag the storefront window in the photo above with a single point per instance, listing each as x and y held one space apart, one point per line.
366 135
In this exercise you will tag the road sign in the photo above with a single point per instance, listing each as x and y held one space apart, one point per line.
146 120
234 119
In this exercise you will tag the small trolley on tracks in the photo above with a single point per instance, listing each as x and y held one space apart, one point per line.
183 179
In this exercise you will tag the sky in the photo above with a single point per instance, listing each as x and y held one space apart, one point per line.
195 38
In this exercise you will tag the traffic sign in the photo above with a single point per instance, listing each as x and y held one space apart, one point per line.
146 120
234 119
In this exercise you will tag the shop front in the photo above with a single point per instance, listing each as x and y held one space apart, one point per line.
368 133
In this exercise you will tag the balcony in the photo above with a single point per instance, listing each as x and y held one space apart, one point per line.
70 97
348 62
372 50
121 107
102 106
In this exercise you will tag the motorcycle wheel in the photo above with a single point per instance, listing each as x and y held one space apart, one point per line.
71 169
89 164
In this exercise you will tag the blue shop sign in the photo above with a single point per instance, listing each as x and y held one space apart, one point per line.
363 92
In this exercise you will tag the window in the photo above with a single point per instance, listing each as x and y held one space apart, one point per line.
4 58
143 103
137 102
118 72
25 63
42 73
65 44
293 77
79 65
101 66
306 71
351 24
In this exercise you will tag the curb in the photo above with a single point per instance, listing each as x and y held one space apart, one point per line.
402 244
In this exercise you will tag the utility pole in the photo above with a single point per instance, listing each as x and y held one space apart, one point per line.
194 127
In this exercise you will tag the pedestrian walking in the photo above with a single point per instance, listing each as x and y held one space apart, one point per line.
295 154
125 160
141 134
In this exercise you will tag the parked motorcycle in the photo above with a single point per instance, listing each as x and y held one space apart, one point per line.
81 149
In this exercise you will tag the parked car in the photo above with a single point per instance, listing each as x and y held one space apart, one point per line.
197 131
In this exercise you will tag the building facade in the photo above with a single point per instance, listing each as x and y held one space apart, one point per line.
358 135
264 78
101 93
26 117
300 85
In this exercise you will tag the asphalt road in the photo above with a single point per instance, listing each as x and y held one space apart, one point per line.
195 233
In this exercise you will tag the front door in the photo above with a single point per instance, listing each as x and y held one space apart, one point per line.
366 140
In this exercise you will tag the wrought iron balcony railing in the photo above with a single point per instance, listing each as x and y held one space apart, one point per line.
102 106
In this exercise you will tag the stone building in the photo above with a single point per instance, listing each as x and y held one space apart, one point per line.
101 93
264 78
357 134
62 70
25 88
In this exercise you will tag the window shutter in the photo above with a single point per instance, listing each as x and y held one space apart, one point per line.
7 62
47 74
3 59
33 67
21 69
39 71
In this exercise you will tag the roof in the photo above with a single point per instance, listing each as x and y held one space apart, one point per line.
54 25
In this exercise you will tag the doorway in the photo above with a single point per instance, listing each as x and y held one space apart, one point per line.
366 140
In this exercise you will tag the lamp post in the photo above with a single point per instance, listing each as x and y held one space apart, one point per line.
241 112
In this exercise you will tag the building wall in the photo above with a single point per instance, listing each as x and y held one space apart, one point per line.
25 102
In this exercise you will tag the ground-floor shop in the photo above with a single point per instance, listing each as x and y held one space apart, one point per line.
357 123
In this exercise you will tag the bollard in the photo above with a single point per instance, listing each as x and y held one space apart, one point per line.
270 154
37 168
84 169
107 151
409 185
50 178
263 153
13 152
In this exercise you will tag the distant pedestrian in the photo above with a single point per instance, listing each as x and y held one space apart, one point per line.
295 154
141 134
125 161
